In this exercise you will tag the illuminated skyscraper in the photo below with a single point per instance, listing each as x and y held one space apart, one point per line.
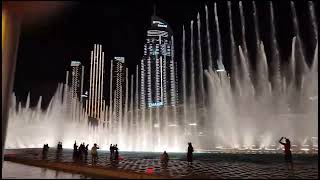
158 72
119 86
95 106
76 87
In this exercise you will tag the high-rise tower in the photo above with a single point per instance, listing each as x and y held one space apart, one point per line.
158 72
119 86
76 84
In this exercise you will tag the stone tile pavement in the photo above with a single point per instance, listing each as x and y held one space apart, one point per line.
227 166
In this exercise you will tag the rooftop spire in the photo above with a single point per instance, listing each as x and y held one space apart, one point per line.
154 9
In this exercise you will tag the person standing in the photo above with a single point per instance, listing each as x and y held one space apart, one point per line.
94 153
287 152
190 153
164 158
111 151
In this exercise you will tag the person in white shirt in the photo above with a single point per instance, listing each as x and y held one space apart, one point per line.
94 152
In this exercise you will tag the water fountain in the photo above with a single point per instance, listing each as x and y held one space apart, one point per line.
240 112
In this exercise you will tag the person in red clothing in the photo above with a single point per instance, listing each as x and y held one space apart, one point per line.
287 152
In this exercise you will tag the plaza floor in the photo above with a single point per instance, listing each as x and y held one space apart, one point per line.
12 170
206 165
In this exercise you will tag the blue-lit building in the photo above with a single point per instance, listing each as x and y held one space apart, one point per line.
158 67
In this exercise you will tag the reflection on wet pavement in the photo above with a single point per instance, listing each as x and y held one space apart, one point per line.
14 171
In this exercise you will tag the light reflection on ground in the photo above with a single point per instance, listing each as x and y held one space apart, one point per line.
15 171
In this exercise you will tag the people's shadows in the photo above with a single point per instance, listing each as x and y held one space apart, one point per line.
114 163
43 172
57 174
94 161
58 155
290 174
165 169
45 155
164 165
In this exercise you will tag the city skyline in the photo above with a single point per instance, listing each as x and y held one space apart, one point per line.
67 44
246 98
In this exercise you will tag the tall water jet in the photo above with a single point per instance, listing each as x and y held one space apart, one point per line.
158 96
137 120
110 125
313 21
314 66
184 89
275 56
200 66
256 25
174 108
192 106
208 40
261 76
219 61
120 115
245 81
302 66
125 123
131 113
244 42
233 57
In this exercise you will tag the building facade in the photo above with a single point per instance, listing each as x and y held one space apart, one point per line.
119 86
76 83
158 78
95 105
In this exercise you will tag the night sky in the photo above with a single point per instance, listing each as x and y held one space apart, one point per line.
46 50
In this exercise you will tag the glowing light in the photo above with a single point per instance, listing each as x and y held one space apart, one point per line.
313 98
305 149
75 63
220 70
150 170
155 104
192 124
162 25
121 59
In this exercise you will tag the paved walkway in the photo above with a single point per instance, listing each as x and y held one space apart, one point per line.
19 171
244 166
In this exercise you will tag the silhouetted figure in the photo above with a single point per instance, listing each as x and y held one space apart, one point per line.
75 147
164 158
81 150
111 151
75 150
94 153
287 152
86 150
190 153
59 151
116 155
59 146
45 150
